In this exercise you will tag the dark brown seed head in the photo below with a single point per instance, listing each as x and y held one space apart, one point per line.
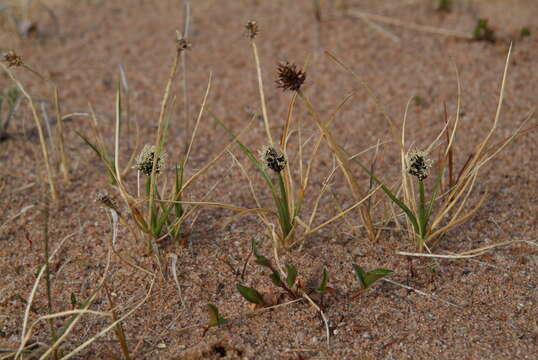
12 59
289 77
252 29
182 43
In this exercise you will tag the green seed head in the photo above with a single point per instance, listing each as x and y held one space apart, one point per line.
418 164
273 159
145 160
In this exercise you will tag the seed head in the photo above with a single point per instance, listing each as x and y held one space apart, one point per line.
418 164
273 158
289 77
104 199
252 29
145 160
182 43
12 59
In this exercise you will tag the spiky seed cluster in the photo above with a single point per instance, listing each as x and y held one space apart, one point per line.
273 158
418 164
12 59
145 160
252 29
103 198
289 77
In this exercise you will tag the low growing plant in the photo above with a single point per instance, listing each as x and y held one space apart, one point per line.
429 219
288 192
285 280
368 278
160 212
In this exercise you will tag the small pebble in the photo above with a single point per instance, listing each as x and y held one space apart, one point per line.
161 346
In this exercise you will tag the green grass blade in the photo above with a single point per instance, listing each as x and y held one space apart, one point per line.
323 283
421 209
389 193
259 166
291 275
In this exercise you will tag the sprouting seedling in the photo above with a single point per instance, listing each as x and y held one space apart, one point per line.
482 31
215 318
367 278
252 295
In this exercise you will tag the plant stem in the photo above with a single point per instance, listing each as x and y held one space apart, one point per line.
47 273
285 220
262 95
422 216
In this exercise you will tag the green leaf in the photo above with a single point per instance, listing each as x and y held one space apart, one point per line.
177 191
323 284
74 301
292 275
275 278
215 318
260 259
250 294
366 279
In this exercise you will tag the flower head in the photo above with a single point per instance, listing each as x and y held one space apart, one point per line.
418 164
12 59
289 77
273 159
252 29
145 160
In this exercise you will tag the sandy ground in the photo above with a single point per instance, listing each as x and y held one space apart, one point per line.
480 308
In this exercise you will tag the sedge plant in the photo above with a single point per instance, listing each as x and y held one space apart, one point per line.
287 182
443 204
157 211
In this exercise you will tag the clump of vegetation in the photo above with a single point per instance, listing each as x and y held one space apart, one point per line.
482 31
160 213
429 218
368 278
286 280
288 192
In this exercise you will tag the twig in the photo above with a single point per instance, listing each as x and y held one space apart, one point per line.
420 292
